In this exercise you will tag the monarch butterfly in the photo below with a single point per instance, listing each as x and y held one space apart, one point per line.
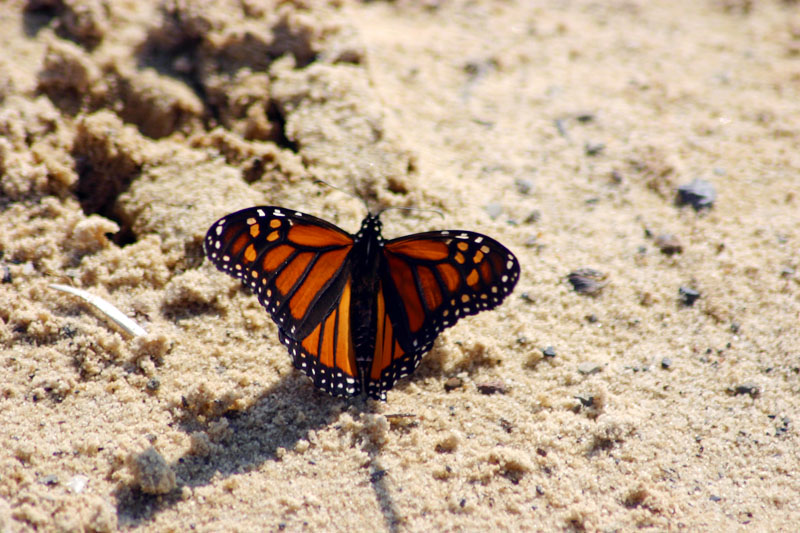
357 312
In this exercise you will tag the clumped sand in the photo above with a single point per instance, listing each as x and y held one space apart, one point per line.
561 129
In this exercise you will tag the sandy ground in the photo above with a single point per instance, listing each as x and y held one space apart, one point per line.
563 129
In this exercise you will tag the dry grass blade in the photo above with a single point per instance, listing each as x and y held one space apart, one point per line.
121 319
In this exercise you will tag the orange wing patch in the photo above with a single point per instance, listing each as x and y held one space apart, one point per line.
331 342
450 276
275 257
345 358
289 275
311 343
239 243
430 289
404 281
387 348
427 250
321 273
486 272
316 236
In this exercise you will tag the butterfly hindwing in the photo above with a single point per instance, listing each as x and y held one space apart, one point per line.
390 361
327 354
299 267
428 282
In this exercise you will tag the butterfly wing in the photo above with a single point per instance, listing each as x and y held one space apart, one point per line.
427 282
299 266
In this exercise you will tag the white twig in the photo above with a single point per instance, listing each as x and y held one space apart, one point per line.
119 318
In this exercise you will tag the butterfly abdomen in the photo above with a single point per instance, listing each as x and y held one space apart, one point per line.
366 252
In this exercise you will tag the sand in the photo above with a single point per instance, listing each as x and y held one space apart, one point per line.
562 129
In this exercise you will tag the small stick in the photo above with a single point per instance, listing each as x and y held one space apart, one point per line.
132 328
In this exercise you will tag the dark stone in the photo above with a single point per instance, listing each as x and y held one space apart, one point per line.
688 295
492 387
669 244
700 194
587 280
751 389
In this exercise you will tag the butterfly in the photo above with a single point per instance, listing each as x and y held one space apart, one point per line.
357 312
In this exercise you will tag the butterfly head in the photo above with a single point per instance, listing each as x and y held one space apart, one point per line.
371 228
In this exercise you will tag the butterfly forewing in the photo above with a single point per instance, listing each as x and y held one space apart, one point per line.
429 281
298 266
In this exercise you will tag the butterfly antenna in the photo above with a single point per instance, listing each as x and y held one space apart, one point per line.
423 209
323 182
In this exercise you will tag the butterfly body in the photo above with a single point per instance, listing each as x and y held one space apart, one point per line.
357 312
366 262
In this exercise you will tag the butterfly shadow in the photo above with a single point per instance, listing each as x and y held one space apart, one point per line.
235 442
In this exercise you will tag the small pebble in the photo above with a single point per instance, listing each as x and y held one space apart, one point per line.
6 274
688 295
153 384
492 387
668 244
561 127
666 363
587 368
699 194
494 210
784 427
51 479
77 483
586 401
587 280
549 352
523 186
593 148
584 117
752 389
533 217
453 383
